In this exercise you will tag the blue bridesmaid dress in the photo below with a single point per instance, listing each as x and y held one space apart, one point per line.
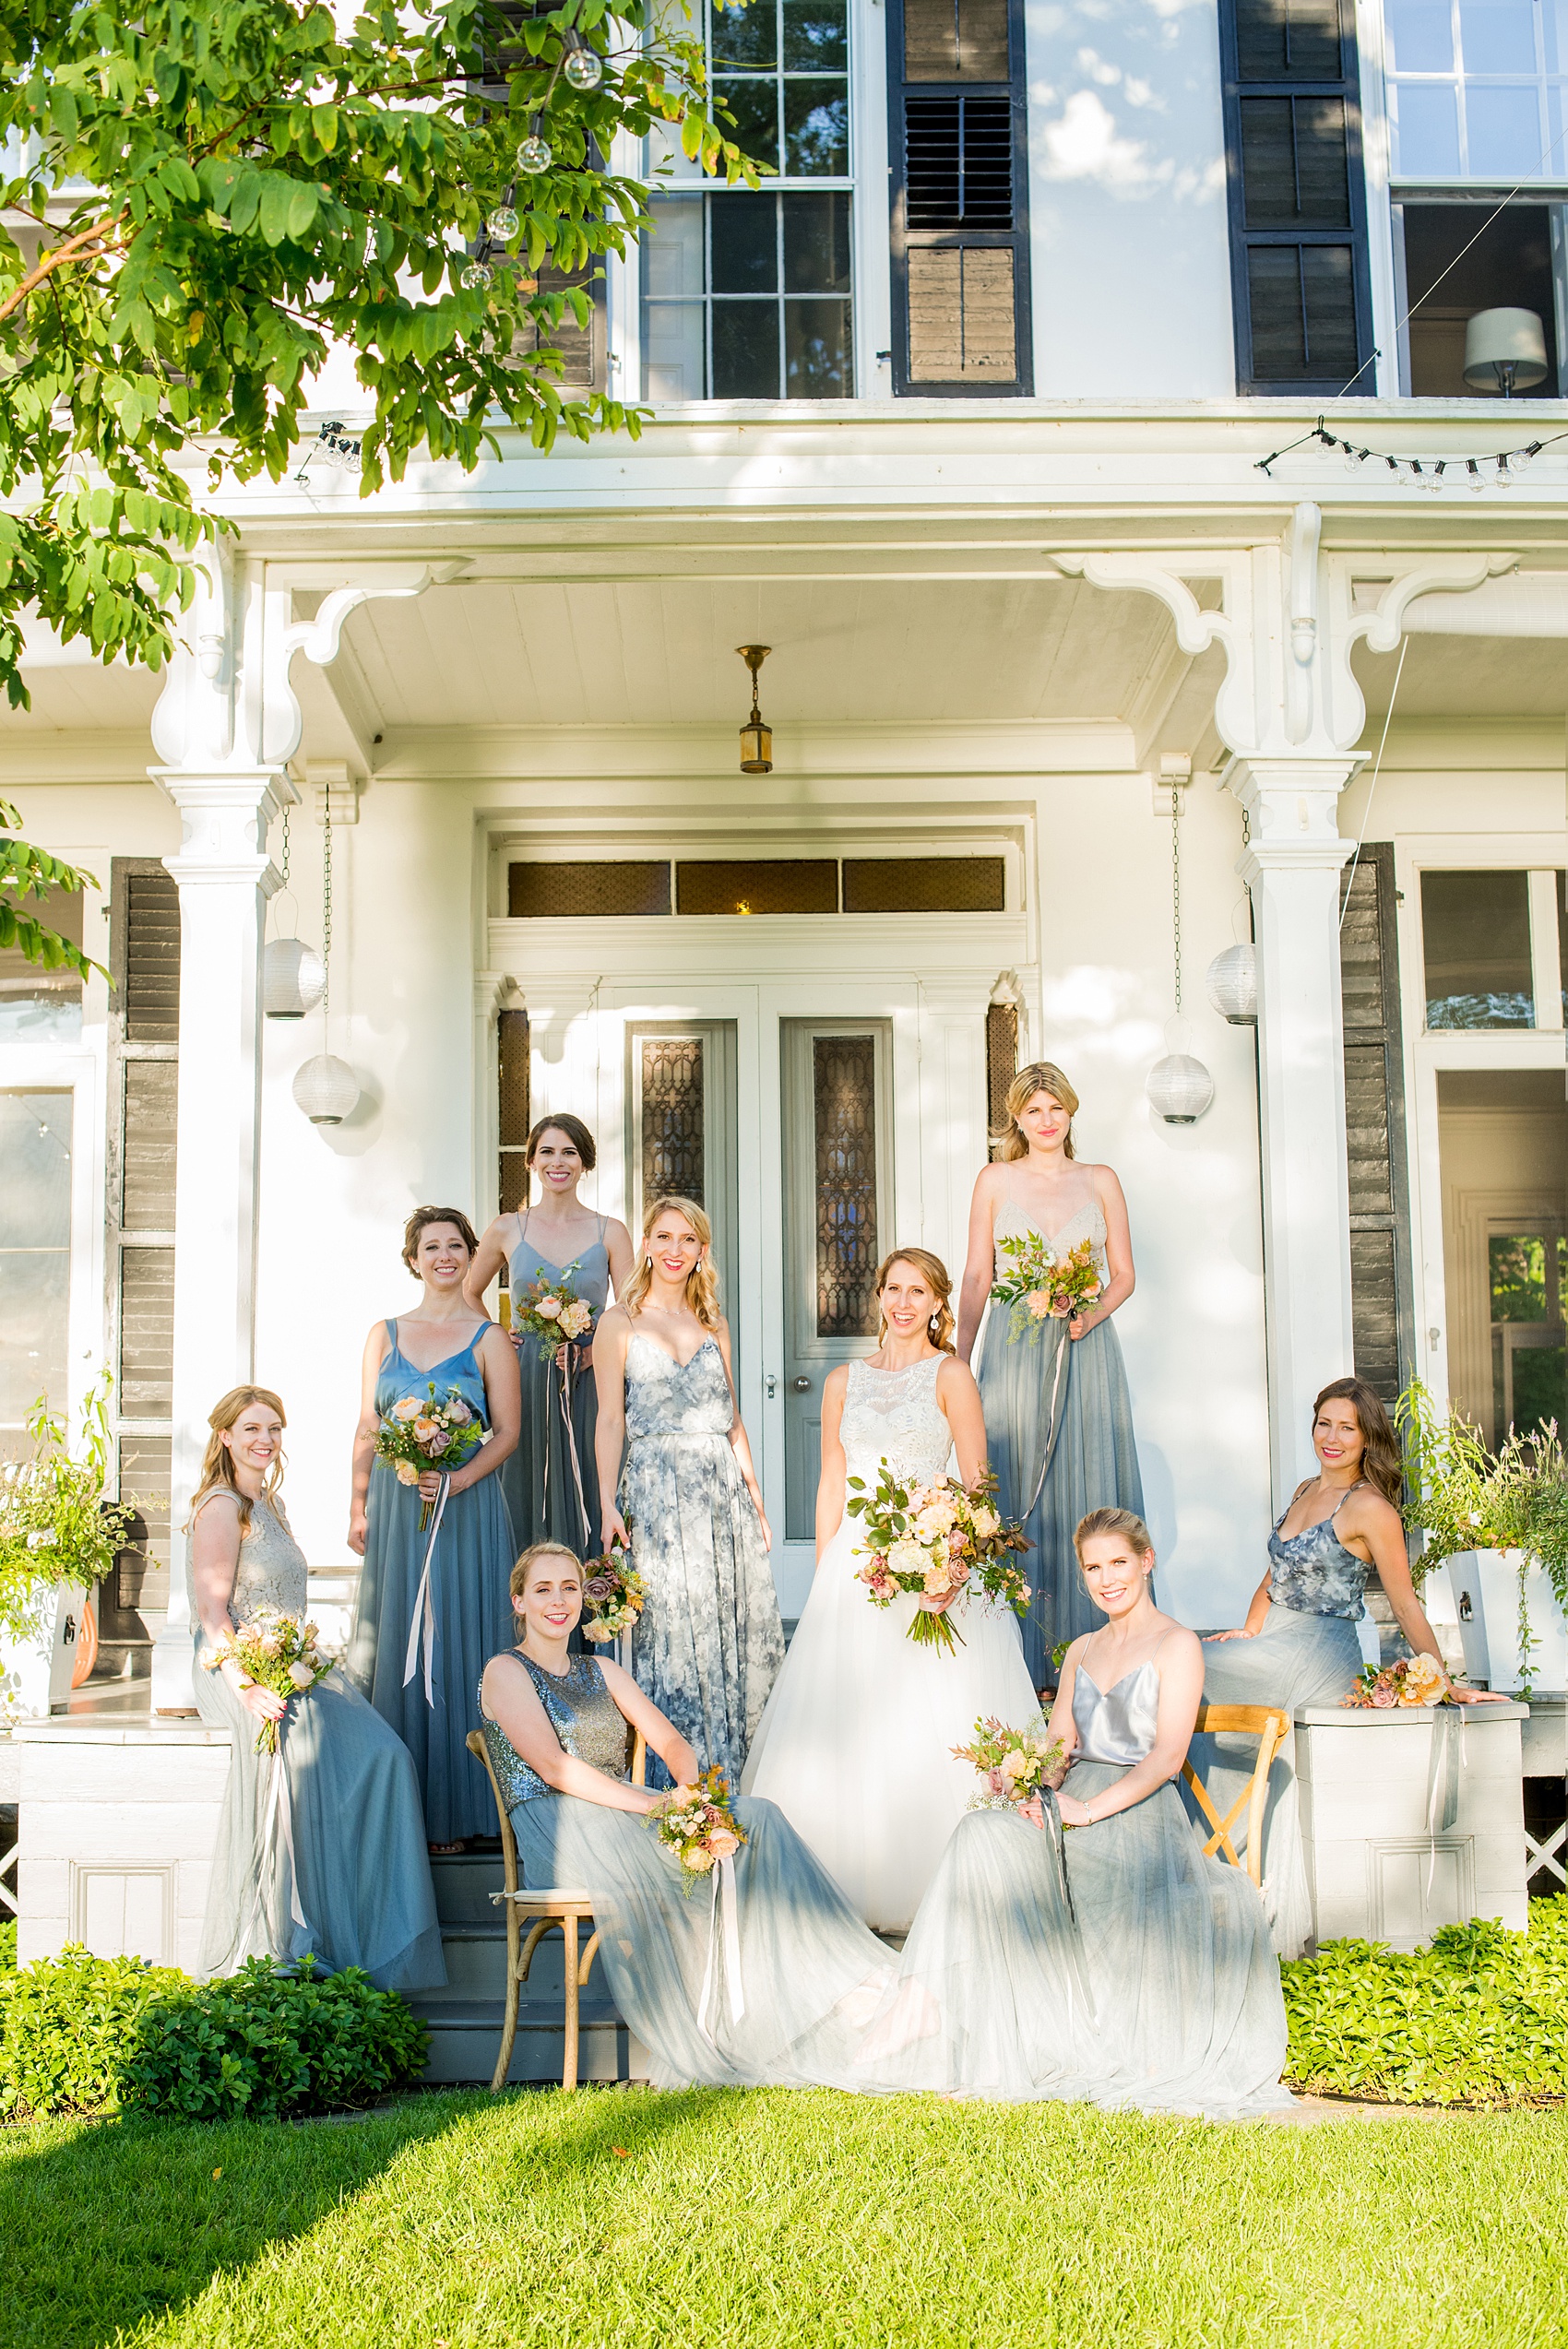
551 1496
469 1573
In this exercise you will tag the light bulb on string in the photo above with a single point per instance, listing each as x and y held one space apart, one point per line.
584 67
476 276
1474 472
503 224
534 155
1504 478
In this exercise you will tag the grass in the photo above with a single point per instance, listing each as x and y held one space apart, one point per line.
706 2219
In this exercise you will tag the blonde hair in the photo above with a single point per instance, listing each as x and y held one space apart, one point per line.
1112 1521
702 1281
935 1274
1040 1076
218 1462
529 1559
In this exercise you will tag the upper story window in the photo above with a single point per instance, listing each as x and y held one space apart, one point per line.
1475 88
1495 945
748 295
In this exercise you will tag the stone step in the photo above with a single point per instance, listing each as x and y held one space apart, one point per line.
464 1882
465 2040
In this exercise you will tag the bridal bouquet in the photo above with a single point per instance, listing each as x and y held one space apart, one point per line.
278 1653
551 1312
697 1824
1041 1286
1415 1679
415 1436
614 1595
936 1541
1013 1763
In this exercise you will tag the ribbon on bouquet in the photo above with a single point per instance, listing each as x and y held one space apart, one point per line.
422 1620
277 1827
726 1920
564 1358
1056 1835
1053 1424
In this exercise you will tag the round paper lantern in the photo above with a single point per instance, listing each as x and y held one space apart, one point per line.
292 978
326 1089
1179 1089
1232 983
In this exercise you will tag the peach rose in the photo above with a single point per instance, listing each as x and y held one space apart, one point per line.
698 1860
549 1309
302 1676
722 1843
1015 1764
406 1473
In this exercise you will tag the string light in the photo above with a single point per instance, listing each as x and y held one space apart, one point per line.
1421 472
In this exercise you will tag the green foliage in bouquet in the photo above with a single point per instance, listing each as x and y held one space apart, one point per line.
55 1526
1478 2018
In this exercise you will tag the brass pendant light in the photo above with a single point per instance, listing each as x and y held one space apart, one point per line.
756 739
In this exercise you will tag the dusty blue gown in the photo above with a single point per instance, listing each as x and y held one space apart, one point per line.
552 1497
470 1573
1306 1654
1094 1463
358 1874
710 1643
1111 1966
810 1972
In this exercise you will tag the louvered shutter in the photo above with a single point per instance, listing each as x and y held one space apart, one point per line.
1298 198
1381 1294
960 216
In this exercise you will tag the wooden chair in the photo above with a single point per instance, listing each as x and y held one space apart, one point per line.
1270 1729
547 1909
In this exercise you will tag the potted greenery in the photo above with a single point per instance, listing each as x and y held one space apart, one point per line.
59 1537
1500 1519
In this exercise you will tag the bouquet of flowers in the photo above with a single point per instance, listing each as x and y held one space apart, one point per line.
1415 1679
415 1436
615 1594
1013 1763
278 1653
697 1824
1041 1286
551 1312
937 1540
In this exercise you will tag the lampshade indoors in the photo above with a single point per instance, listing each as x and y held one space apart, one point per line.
1504 351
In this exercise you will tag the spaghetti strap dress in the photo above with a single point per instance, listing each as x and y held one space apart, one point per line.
1307 1653
1112 1965
1094 1462
550 1481
470 1568
320 1847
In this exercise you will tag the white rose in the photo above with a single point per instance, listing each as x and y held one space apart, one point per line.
302 1676
908 1556
549 1309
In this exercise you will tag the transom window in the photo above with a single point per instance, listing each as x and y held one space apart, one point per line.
1475 88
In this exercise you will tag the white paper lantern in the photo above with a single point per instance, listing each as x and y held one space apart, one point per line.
1179 1089
326 1089
1232 983
292 978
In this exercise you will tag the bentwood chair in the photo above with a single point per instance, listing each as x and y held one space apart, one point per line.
546 1909
1271 1729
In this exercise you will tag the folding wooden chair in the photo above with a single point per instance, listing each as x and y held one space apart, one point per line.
1270 1729
547 1909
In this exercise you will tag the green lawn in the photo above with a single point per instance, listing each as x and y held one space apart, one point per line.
628 2217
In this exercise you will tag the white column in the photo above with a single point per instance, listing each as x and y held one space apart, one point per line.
1293 867
225 879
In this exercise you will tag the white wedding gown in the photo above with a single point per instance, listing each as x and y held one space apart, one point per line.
855 1745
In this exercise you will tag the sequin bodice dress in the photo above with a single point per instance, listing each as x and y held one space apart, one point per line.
583 1714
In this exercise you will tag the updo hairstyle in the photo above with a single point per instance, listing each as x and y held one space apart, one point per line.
1112 1521
519 1582
420 1221
1040 1076
934 1272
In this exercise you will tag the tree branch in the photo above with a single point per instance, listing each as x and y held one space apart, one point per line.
72 250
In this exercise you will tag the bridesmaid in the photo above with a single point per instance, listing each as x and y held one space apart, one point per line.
333 1862
1124 1969
556 1726
710 1644
1091 1462
441 1342
550 1480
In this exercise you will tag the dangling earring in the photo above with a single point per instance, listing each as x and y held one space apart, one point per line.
647 1263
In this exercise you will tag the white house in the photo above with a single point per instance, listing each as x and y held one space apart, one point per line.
995 419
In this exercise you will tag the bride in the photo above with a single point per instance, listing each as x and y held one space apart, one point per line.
855 1747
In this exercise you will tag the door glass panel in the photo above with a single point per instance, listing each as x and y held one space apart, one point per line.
681 1137
844 1119
35 1256
672 1119
1528 1279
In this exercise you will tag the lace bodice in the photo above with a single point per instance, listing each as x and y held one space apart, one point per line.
893 1416
1085 1223
272 1571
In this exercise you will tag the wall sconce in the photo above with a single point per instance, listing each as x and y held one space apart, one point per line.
756 740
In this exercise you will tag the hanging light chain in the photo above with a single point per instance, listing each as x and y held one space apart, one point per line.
284 877
1176 885
327 913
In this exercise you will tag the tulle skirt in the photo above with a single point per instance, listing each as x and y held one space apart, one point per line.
809 1977
855 1747
1118 1968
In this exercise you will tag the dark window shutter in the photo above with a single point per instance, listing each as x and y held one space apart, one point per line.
959 203
1382 1293
1299 263
583 350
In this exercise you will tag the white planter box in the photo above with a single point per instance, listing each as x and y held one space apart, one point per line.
35 1672
1485 1584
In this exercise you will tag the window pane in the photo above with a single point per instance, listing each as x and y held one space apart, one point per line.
1540 1386
1554 25
816 244
816 128
764 885
35 1255
1425 131
746 35
674 359
1421 36
1503 132
745 350
744 245
1563 940
1476 933
818 360
1497 36
38 1006
1518 1269
815 36
672 254
755 105
586 892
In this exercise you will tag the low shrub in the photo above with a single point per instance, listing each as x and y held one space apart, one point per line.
1480 2017
7 1945
80 2034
